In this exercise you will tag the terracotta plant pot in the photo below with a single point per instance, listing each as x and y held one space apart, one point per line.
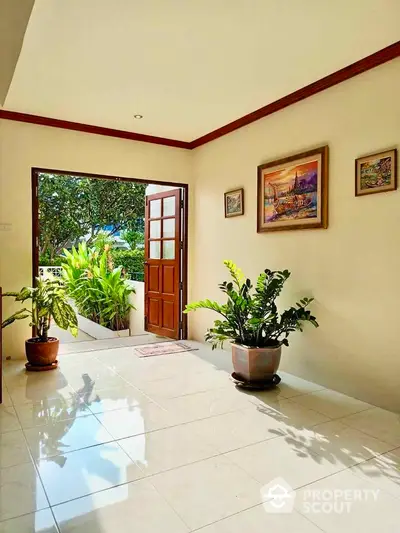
255 364
41 353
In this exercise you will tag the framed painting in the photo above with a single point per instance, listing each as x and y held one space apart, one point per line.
376 173
234 203
293 192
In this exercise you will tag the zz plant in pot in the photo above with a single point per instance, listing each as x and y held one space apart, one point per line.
251 320
49 301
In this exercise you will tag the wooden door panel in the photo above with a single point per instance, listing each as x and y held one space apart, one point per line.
154 278
163 263
168 277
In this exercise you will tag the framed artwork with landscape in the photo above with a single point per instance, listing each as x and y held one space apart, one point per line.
376 173
293 192
234 203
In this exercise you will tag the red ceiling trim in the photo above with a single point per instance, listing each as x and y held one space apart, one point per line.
87 128
344 74
368 63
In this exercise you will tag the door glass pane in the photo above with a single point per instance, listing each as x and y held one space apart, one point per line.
169 206
168 249
155 249
155 208
169 228
155 229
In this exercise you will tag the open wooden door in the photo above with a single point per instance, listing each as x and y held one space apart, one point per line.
163 264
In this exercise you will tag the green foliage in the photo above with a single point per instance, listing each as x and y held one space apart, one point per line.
133 238
47 260
132 262
102 241
48 301
99 290
251 317
72 207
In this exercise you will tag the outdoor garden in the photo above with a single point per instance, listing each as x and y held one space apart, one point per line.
92 238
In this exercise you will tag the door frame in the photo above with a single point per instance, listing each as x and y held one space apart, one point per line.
185 237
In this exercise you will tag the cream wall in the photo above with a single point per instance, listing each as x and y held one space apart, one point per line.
352 268
23 146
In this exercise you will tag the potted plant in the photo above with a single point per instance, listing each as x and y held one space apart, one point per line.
49 301
252 321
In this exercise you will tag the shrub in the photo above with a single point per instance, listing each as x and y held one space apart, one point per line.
45 260
99 290
132 261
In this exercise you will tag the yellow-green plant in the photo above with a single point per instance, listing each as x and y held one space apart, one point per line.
100 291
48 301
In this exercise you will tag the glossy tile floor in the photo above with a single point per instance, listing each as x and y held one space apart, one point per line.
114 443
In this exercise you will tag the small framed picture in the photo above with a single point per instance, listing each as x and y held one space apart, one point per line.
234 203
376 173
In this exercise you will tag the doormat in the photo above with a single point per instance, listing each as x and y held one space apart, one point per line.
163 348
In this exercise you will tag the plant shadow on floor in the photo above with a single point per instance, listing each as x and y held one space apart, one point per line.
340 445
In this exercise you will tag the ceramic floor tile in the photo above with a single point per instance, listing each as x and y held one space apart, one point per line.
340 443
332 404
277 458
66 436
384 425
209 490
349 504
132 507
50 410
291 386
124 423
237 429
23 395
290 414
21 491
39 522
383 471
83 472
257 520
84 379
6 398
13 449
112 399
166 449
205 404
8 419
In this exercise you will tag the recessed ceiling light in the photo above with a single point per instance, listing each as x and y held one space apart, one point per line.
138 117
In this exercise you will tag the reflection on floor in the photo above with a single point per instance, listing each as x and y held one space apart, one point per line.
111 442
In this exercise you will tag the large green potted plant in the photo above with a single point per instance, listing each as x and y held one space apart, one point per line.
251 320
49 301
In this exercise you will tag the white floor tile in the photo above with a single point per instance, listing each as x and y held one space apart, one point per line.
50 410
66 436
291 414
237 429
132 507
6 398
166 449
117 398
291 386
83 472
384 425
332 404
209 490
257 520
133 421
39 522
21 491
280 458
8 419
382 471
13 449
350 504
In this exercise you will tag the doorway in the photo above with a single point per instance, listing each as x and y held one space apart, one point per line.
161 286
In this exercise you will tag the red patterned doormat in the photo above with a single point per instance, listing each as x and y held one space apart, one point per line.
163 348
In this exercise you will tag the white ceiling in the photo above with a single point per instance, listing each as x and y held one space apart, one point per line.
189 66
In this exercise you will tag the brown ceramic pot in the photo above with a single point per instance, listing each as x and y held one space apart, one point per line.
41 353
255 364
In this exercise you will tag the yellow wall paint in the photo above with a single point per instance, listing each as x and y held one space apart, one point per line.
352 268
23 146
